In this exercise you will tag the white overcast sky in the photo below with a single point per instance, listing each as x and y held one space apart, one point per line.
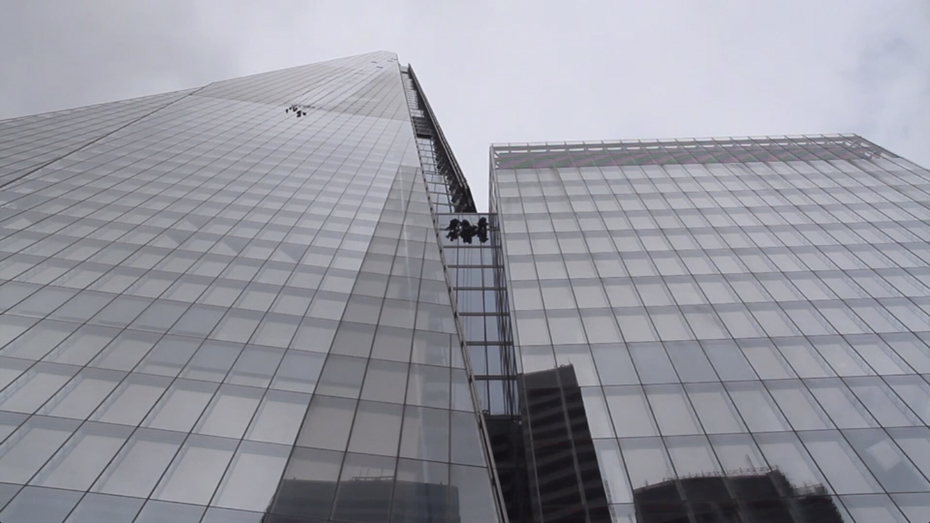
513 71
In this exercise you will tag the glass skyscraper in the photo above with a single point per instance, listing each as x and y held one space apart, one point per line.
747 319
228 304
271 300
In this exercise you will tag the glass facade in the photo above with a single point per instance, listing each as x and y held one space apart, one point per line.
229 304
271 300
747 319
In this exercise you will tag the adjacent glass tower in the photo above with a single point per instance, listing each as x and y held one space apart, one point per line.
271 300
228 304
747 319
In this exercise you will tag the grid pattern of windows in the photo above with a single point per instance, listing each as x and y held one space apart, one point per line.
212 307
31 142
730 317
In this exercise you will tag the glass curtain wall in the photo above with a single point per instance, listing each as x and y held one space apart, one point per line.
747 318
228 304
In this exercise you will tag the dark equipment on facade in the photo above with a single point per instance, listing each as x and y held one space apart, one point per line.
464 230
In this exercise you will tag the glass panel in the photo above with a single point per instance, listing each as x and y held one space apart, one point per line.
83 394
915 442
630 411
599 419
376 429
872 348
844 360
713 406
27 449
181 405
652 363
692 455
737 453
614 365
393 343
82 346
690 362
914 351
95 508
616 484
368 478
164 512
342 376
255 366
328 423
915 392
140 464
212 361
276 330
839 402
766 359
298 371
36 342
40 505
196 470
35 386
385 381
672 410
476 502
804 359
169 356
126 350
886 461
425 434
306 467
646 461
798 405
422 491
579 357
131 401
728 361
278 417
429 386
838 461
222 515
884 405
783 450
758 409
9 422
83 457
252 477
873 507
230 412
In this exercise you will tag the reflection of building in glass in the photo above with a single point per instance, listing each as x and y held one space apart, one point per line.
564 481
365 500
762 497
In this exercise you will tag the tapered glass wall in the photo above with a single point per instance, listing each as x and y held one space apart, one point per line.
228 304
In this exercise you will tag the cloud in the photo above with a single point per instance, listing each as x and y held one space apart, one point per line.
515 71
59 54
893 75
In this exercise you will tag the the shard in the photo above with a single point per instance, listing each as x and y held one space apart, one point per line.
228 304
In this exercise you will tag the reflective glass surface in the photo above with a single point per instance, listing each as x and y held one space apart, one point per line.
744 316
229 304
